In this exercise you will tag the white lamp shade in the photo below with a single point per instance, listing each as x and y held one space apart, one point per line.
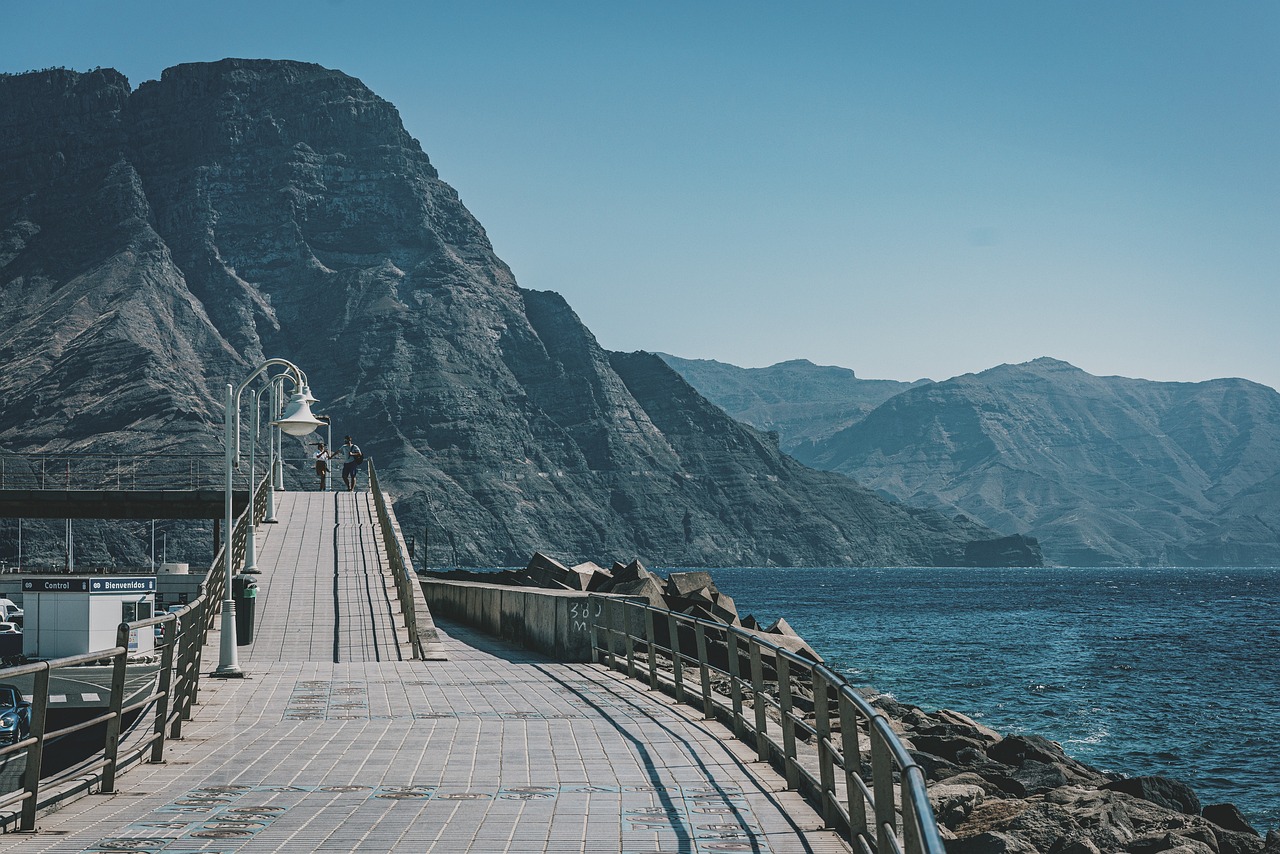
297 419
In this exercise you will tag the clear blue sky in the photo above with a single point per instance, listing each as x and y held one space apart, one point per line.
907 189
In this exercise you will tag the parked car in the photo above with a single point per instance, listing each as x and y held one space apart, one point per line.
10 612
15 715
10 629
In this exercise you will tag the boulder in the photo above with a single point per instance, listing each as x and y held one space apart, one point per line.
725 610
650 588
934 767
633 571
1169 843
967 725
992 842
1040 777
593 577
1228 817
1165 791
946 745
549 572
953 802
1015 749
684 583
781 627
968 778
1079 846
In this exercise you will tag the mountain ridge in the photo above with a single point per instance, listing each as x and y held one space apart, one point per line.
157 243
1102 470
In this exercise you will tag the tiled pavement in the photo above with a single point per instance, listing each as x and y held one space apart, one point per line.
495 749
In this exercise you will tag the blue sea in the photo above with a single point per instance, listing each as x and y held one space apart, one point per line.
1140 671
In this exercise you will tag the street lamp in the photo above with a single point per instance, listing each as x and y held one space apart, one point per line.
297 420
250 549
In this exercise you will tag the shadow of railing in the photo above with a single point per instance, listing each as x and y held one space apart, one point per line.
802 717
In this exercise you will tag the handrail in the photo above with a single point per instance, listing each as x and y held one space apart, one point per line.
173 687
807 720
401 570
121 472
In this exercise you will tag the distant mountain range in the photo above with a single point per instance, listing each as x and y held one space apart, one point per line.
158 243
1102 470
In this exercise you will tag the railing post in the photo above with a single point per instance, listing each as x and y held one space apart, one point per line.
202 616
704 671
826 762
757 687
677 660
911 842
597 657
628 639
882 784
651 632
852 768
735 683
112 748
610 630
35 753
789 765
169 637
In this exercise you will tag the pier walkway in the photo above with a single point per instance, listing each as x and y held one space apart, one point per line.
337 740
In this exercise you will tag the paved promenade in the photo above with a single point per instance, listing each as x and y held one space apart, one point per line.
338 741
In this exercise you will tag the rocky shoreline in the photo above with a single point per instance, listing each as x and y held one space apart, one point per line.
992 793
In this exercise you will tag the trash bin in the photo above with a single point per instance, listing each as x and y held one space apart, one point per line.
244 592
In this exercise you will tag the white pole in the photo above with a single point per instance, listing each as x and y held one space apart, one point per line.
153 546
250 550
271 462
228 665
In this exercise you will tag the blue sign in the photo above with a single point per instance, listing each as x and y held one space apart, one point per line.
108 584
55 585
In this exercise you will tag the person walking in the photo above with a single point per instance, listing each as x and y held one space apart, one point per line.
322 457
353 458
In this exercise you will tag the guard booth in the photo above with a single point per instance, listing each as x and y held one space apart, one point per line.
74 614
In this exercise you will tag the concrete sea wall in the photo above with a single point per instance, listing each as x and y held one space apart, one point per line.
556 623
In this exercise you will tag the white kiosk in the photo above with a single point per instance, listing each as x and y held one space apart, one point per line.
73 614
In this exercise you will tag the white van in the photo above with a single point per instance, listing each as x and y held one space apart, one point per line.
10 612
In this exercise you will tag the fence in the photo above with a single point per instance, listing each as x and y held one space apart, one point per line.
168 686
112 471
401 568
802 717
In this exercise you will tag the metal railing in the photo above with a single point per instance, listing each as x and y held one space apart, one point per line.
401 567
163 690
802 717
112 471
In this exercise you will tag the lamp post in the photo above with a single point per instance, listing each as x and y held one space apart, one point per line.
296 420
250 549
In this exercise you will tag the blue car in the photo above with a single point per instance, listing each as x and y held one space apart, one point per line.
15 715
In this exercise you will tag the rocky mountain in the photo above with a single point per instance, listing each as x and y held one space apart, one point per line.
159 243
1102 470
802 402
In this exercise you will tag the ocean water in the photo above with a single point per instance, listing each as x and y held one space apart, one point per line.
1140 671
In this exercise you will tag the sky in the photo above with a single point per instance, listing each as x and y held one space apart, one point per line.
907 189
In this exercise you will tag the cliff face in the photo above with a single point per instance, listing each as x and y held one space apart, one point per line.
157 244
1103 470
